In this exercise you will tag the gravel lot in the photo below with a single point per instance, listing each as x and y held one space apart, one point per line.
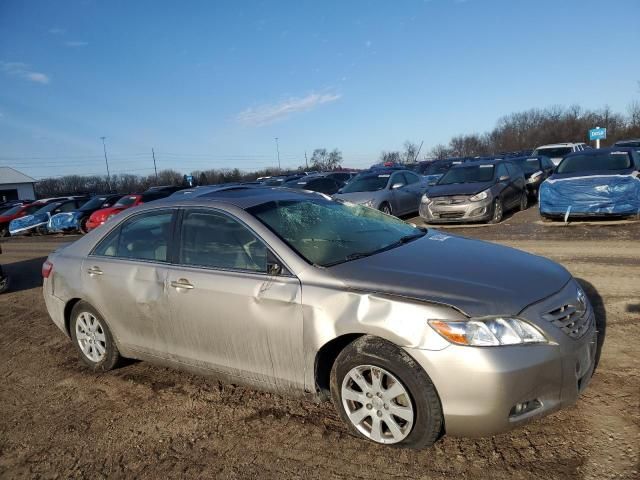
57 420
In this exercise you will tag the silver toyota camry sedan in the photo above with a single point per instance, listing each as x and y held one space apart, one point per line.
411 333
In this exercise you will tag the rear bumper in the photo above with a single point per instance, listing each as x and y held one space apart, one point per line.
460 212
480 387
55 306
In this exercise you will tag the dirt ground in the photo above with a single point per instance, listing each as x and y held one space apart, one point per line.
57 420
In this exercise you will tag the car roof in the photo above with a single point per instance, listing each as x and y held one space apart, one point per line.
480 161
563 144
595 151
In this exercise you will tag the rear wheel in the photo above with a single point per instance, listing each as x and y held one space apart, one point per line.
524 201
92 338
4 231
386 208
498 211
4 282
83 226
383 395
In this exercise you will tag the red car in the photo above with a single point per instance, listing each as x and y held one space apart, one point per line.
98 217
22 210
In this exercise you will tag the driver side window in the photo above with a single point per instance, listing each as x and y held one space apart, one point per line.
215 240
398 178
502 171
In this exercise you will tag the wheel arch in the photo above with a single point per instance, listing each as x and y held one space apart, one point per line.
326 357
67 314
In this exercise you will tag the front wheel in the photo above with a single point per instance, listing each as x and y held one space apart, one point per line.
4 282
83 226
4 231
498 211
92 338
524 201
383 395
386 208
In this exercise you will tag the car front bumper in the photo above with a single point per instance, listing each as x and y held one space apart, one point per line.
439 210
479 387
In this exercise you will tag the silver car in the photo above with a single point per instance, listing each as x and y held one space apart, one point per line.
411 333
392 191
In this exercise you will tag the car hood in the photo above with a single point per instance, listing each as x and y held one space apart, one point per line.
478 278
357 197
458 189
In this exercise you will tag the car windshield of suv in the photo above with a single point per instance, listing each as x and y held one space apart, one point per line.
126 201
553 152
528 165
93 204
599 161
468 174
327 233
368 183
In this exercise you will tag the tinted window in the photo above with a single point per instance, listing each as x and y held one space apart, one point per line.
599 161
529 165
367 183
411 178
126 201
398 178
215 240
325 185
12 211
67 207
94 203
144 237
468 174
553 152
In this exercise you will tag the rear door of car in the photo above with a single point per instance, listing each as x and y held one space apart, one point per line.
124 278
229 311
416 187
508 189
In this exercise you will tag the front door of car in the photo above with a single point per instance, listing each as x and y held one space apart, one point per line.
401 196
506 182
231 311
124 279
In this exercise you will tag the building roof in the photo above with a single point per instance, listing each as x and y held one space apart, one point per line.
9 175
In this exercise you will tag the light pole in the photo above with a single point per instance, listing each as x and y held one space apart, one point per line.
106 161
278 152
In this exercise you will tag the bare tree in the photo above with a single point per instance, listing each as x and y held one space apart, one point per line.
323 160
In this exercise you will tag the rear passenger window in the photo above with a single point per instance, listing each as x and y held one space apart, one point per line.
214 240
411 178
144 237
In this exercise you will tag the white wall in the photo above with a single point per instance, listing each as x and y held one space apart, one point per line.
25 190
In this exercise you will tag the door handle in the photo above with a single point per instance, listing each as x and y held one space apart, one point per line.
182 283
94 271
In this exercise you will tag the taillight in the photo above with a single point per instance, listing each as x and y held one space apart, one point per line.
47 268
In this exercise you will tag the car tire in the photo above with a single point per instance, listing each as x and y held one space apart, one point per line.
498 211
83 226
386 208
92 338
4 231
524 201
422 421
4 283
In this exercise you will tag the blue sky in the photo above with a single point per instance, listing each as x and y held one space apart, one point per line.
210 84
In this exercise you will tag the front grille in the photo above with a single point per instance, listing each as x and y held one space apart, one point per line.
567 319
452 215
450 200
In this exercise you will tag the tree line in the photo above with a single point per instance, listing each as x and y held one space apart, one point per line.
515 132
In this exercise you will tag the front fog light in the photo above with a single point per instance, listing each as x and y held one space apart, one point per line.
488 332
524 407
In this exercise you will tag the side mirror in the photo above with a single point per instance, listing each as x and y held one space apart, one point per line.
504 178
396 186
274 269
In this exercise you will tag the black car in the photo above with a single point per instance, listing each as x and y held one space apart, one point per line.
280 180
536 170
475 191
315 183
77 219
341 177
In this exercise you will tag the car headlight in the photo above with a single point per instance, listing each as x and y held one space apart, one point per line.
425 199
535 177
488 332
480 196
581 304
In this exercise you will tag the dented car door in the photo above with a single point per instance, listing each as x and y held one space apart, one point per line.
230 311
125 279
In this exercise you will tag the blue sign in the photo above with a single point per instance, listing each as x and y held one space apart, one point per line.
598 134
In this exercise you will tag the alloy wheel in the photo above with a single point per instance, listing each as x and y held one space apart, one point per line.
91 337
497 211
377 404
386 209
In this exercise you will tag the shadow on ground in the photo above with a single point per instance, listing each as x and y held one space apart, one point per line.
24 275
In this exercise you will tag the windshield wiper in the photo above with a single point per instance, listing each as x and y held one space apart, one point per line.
400 241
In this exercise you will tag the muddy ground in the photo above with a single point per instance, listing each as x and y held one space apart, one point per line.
57 420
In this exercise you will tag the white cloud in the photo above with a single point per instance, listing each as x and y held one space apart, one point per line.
22 70
57 31
76 43
270 113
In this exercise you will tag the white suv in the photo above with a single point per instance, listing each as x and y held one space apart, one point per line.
557 151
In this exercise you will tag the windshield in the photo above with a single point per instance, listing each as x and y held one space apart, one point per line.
468 174
435 168
528 165
595 162
49 208
12 210
554 152
126 201
301 184
94 203
325 232
368 183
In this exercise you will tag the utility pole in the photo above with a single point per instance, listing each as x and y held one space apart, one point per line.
106 161
154 164
418 153
278 151
306 161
